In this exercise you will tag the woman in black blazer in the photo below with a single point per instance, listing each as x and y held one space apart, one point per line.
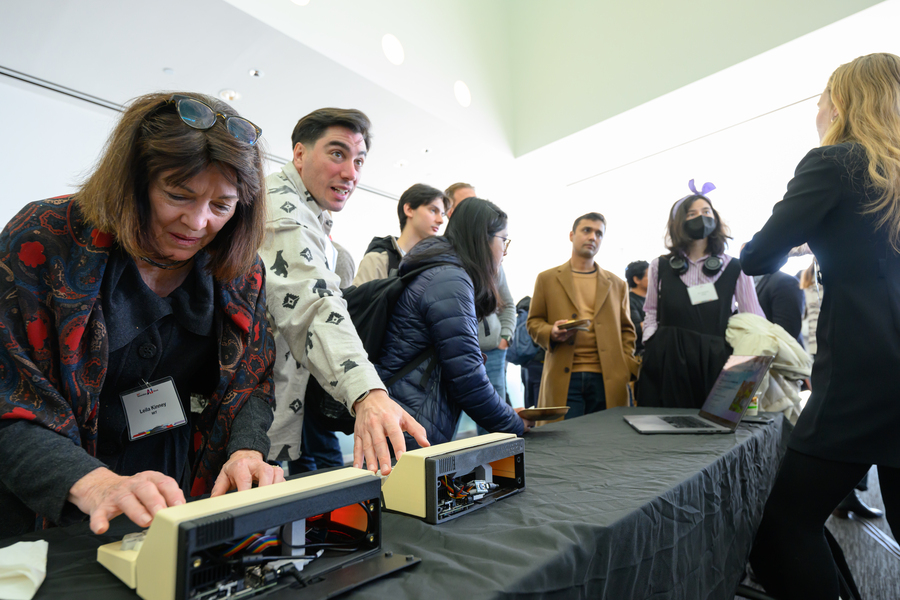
844 201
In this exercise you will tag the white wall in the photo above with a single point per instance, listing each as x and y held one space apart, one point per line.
48 142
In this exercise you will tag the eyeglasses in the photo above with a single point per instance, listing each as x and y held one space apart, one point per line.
200 115
506 242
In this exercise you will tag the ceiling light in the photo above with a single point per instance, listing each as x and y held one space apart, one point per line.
256 73
169 71
300 2
462 93
229 95
393 49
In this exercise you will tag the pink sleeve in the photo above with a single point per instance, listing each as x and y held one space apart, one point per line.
745 295
649 325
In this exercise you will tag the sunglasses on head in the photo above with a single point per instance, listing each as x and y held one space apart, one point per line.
200 115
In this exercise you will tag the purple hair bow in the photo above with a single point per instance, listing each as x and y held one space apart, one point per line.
707 188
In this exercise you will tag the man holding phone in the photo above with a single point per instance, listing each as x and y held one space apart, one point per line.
580 316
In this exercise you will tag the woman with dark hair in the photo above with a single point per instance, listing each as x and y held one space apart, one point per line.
137 359
436 319
844 201
691 293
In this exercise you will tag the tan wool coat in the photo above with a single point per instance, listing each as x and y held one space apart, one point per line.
553 300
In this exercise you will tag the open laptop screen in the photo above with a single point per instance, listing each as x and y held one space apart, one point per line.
734 388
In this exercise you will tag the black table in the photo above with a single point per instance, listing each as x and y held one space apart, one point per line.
606 513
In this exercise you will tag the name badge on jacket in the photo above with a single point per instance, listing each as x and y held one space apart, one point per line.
153 408
705 292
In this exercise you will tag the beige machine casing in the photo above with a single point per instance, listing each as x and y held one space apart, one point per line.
151 570
404 488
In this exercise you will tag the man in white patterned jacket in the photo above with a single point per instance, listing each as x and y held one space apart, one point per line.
313 332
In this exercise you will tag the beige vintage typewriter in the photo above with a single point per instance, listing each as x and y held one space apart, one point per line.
445 481
320 532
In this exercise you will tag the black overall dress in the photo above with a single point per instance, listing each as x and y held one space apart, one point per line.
687 352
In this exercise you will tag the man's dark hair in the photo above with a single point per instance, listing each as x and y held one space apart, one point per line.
678 241
416 196
311 127
591 216
634 271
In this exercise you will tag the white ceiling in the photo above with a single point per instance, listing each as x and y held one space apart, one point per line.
117 50
541 70
577 105
538 71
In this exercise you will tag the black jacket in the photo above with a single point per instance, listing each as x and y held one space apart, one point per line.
636 302
853 414
386 244
437 310
782 300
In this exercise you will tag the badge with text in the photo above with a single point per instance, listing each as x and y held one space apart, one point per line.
152 408
705 292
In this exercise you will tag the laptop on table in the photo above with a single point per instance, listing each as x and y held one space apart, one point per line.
724 406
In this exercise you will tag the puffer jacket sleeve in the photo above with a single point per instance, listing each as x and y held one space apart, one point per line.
449 310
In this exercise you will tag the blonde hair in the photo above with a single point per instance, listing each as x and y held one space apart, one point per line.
866 94
808 276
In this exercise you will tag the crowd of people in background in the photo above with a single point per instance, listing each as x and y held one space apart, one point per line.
228 293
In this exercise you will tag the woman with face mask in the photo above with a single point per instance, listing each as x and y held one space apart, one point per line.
691 293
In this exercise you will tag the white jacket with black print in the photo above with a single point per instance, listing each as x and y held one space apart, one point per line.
313 332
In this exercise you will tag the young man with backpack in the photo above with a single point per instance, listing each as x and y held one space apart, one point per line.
314 336
421 213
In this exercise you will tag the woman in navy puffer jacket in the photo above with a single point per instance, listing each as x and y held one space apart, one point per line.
440 309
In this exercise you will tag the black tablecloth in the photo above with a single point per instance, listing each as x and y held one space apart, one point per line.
606 513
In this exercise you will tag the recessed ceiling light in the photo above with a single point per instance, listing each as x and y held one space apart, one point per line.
229 95
393 49
401 163
169 71
462 93
256 73
300 2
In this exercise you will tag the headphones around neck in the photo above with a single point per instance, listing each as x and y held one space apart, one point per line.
711 265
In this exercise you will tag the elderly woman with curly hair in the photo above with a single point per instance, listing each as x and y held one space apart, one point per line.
135 355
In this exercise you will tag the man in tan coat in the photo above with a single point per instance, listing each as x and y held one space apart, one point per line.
586 370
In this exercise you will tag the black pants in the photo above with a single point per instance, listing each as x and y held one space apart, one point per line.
790 554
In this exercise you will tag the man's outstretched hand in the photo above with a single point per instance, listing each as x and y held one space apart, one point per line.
379 419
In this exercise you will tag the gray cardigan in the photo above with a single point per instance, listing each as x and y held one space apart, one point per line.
503 322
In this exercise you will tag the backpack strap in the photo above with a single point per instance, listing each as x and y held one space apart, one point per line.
428 353
394 259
